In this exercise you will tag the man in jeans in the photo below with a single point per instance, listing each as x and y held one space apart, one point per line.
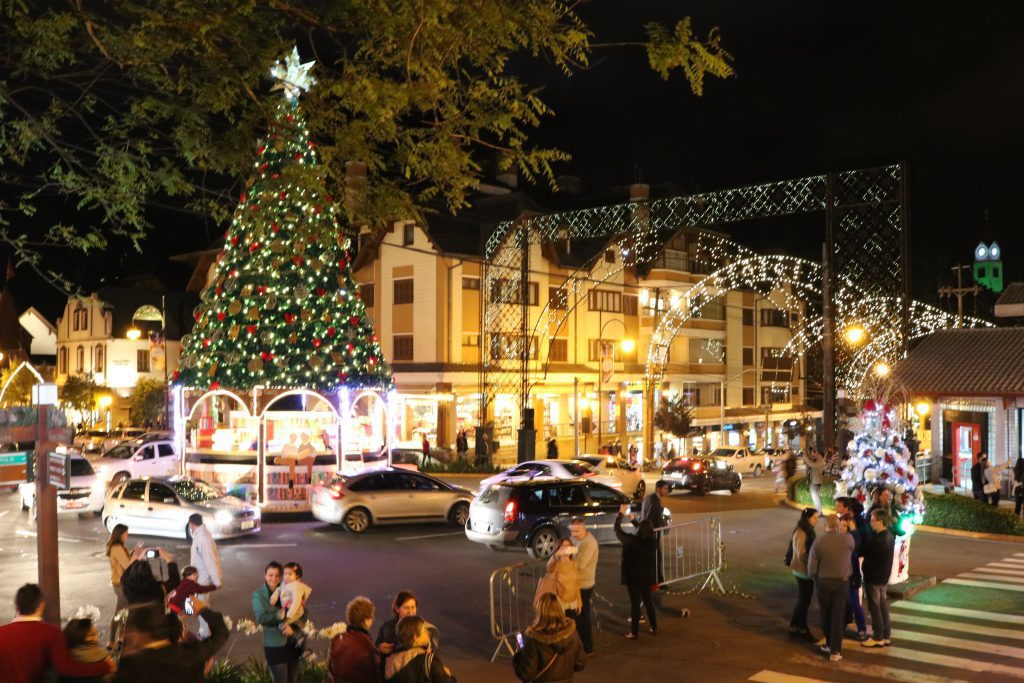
877 568
586 566
829 563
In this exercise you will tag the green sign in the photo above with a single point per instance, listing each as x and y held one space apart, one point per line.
9 459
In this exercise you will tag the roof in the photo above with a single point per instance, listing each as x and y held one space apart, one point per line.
125 301
1010 303
966 362
464 234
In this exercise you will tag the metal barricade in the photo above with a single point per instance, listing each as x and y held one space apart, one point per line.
692 551
512 592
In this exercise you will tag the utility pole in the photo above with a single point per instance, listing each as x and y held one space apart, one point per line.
959 292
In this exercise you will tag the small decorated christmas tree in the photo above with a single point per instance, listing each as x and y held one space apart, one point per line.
282 310
880 460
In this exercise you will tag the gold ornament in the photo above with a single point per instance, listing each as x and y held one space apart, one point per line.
235 307
254 313
250 181
315 264
299 246
307 315
326 317
279 145
212 371
337 357
277 246
247 290
293 338
315 361
271 301
277 262
233 332
341 280
255 364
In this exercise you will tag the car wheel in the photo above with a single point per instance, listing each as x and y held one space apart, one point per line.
108 524
736 486
357 520
459 515
543 543
641 489
24 505
757 471
705 487
97 513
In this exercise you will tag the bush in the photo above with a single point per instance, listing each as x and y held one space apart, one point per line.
255 671
458 466
953 511
799 491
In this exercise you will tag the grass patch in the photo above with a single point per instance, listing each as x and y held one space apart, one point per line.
948 511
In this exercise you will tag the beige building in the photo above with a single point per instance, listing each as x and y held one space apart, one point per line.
423 288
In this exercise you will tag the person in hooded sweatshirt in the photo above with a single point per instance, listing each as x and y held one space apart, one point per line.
552 650
417 661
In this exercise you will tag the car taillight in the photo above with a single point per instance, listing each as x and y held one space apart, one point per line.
510 511
696 467
336 492
589 474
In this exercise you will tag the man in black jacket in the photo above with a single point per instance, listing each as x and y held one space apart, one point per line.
158 656
978 477
878 558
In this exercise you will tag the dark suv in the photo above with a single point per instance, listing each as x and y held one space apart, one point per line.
702 475
536 514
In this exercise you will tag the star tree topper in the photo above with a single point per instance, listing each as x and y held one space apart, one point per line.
292 77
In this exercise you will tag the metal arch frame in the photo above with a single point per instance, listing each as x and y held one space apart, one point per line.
856 201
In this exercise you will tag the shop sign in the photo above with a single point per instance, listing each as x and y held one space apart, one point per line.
58 470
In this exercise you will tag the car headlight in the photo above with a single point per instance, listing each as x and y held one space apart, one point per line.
99 486
223 517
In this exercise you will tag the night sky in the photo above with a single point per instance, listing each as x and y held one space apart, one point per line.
821 86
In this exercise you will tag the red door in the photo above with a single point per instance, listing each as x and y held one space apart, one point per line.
966 446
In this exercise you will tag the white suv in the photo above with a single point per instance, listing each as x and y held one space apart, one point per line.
617 473
85 494
742 460
138 458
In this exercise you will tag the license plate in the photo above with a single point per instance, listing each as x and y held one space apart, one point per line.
677 475
248 524
74 505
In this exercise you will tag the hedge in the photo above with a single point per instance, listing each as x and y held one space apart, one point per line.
948 511
458 466
255 671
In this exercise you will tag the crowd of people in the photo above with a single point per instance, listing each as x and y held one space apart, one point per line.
854 555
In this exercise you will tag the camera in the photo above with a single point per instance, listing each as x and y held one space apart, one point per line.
151 553
519 641
189 607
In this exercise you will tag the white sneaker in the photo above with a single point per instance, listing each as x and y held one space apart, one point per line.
825 649
887 642
835 658
871 642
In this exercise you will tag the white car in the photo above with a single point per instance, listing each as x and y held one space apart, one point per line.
617 473
85 494
567 469
121 435
742 460
138 458
161 507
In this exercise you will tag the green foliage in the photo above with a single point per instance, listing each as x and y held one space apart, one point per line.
226 671
799 490
953 511
130 105
79 392
148 401
19 391
674 416
312 672
457 466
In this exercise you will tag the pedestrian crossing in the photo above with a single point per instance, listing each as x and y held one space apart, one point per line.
932 643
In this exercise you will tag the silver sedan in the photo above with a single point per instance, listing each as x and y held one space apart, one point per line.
389 496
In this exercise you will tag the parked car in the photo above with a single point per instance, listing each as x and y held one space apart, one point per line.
702 474
531 469
138 458
536 514
617 473
742 460
84 495
121 435
91 441
161 507
389 495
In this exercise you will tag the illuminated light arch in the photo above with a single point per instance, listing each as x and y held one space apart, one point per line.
299 392
23 366
217 392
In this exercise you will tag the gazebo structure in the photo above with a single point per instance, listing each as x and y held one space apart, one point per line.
282 380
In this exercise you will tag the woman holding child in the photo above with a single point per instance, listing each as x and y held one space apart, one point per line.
282 657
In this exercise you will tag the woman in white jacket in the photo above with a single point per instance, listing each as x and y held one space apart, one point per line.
991 480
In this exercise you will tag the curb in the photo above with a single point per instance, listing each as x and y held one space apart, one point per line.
981 536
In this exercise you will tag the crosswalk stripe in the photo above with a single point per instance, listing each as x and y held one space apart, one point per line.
985 584
949 661
1007 566
767 676
886 671
996 570
956 612
991 577
959 626
1012 560
959 643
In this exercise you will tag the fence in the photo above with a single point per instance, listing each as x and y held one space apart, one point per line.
688 551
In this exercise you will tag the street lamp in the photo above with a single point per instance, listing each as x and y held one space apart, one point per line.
134 333
882 369
854 334
922 408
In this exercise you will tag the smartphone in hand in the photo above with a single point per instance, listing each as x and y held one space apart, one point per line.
189 607
519 641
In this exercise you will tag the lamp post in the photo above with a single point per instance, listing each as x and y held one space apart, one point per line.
134 334
627 345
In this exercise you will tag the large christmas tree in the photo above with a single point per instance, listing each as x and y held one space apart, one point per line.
879 460
282 310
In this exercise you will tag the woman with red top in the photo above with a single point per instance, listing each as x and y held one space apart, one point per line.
353 656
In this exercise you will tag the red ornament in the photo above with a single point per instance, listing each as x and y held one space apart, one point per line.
254 247
297 260
251 329
217 291
290 117
274 227
214 385
320 291
206 343
255 208
175 375
234 241
261 150
343 376
197 315
354 320
350 348
281 195
317 209
330 331
372 361
297 156
266 355
330 199
289 318
221 315
275 176
241 198
870 405
261 289
310 144
316 343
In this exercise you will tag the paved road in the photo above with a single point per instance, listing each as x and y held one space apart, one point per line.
729 638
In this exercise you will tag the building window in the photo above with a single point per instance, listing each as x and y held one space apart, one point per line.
142 360
981 271
795 390
85 319
609 255
471 283
506 291
712 310
794 318
366 294
776 366
403 347
408 234
748 355
510 347
99 360
604 300
559 350
630 305
779 394
707 351
403 291
558 298
748 316
599 347
771 317
748 396
80 359
63 361
471 339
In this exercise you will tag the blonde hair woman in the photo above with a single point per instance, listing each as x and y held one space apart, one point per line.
120 558
562 577
552 649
